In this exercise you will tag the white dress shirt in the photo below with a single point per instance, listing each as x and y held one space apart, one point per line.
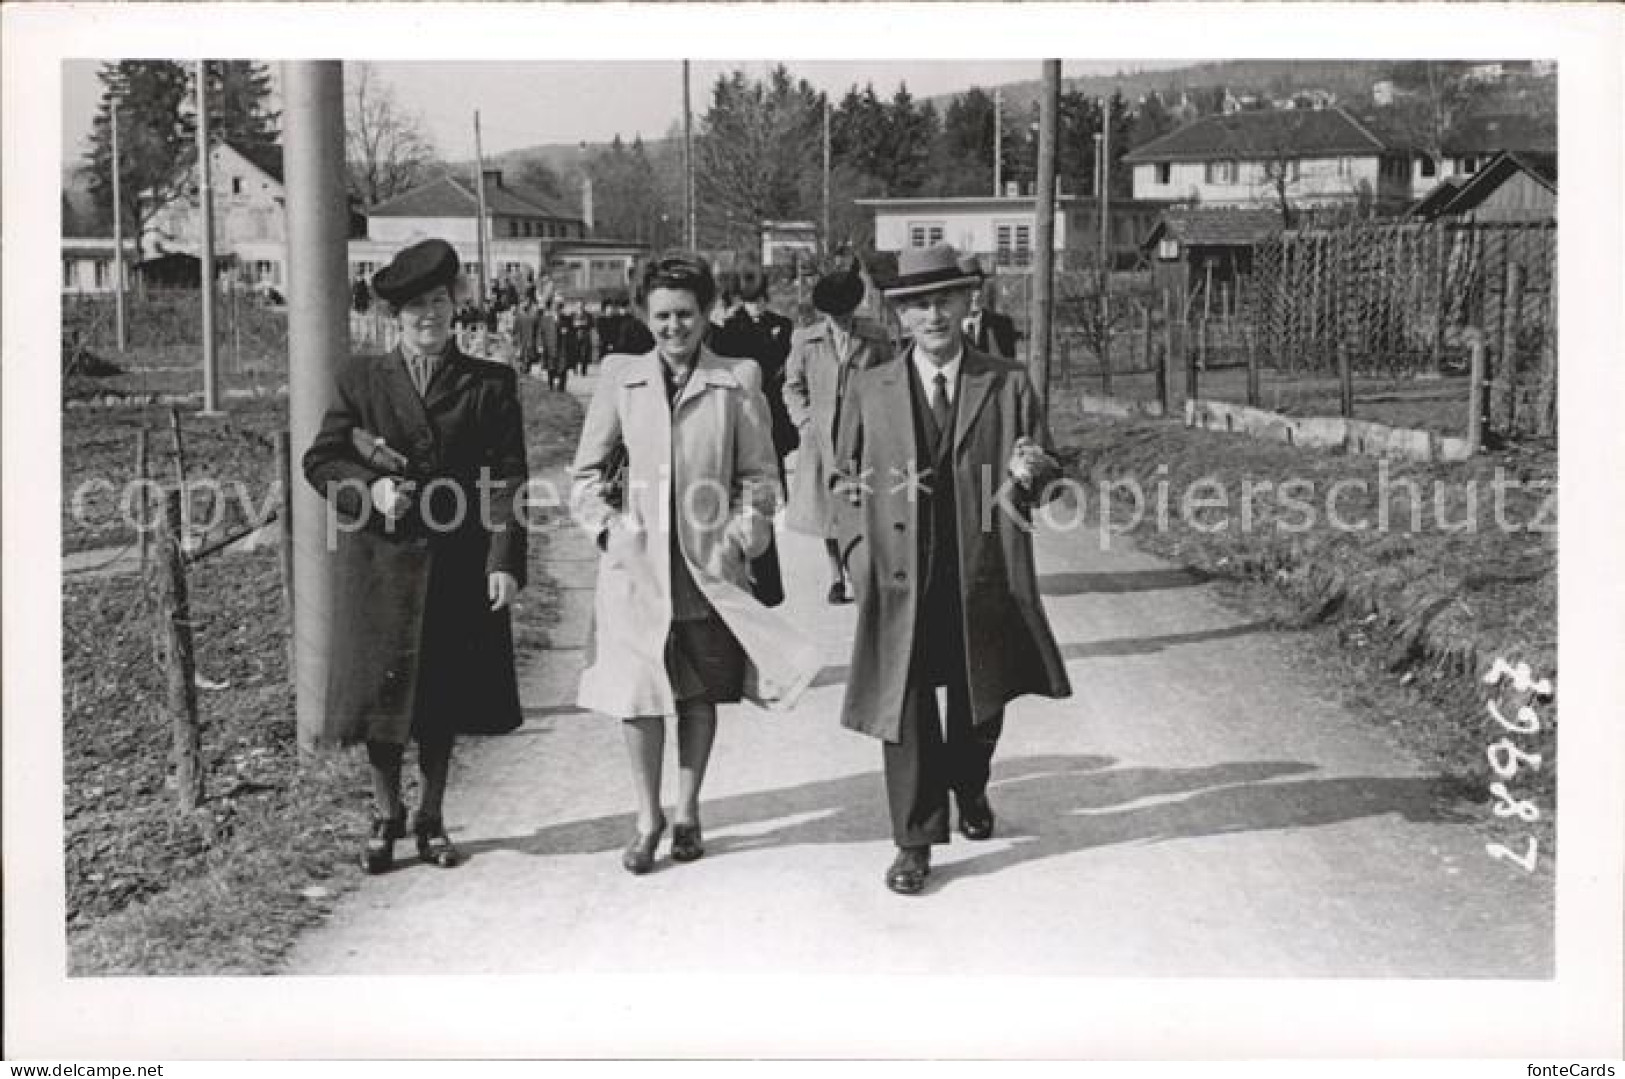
928 373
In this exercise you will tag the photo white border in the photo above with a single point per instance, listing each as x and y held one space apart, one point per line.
1578 1014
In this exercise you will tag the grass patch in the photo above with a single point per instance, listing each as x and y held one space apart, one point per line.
227 888
1426 607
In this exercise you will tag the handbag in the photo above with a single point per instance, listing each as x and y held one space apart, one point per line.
766 577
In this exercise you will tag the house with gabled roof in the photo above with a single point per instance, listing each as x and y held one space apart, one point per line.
1511 186
1320 157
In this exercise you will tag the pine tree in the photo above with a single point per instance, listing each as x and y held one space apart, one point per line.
156 138
238 93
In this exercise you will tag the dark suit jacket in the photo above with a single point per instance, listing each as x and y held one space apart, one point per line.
995 334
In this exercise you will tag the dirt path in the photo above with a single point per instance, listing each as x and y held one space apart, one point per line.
1198 808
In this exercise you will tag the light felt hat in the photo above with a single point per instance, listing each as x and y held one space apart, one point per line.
938 268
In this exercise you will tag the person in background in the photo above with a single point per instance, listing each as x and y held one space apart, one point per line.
582 337
756 332
674 481
986 329
420 458
822 358
526 330
947 597
554 357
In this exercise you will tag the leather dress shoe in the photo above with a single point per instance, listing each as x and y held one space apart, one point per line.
976 818
909 870
687 845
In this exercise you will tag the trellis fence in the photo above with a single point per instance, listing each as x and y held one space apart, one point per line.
1398 300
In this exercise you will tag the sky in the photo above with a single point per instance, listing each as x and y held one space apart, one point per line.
527 104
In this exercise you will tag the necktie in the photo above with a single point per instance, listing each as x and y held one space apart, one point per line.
419 368
939 403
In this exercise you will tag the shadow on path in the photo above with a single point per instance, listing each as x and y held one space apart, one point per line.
1142 580
1127 646
1049 806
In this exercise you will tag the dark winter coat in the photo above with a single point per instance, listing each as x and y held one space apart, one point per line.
416 647
1009 648
767 341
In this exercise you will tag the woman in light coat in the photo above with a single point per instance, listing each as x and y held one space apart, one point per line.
676 481
823 357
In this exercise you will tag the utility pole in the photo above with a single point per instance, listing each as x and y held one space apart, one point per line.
318 343
1105 195
688 165
828 246
118 235
1044 200
998 141
211 372
479 200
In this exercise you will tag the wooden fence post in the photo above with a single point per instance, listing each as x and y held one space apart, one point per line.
143 508
180 476
1167 385
284 477
1345 378
180 667
1146 351
1191 356
1504 382
1475 393
1253 391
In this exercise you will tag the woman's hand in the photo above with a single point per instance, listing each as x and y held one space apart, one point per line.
501 588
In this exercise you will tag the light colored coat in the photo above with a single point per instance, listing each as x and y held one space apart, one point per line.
1010 650
713 448
813 379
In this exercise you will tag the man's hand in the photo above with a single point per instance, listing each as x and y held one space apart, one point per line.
1029 464
391 497
501 588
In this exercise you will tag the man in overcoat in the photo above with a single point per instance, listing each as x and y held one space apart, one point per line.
757 332
988 330
420 457
823 356
930 446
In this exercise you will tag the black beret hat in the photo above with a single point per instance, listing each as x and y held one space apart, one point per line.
838 293
415 270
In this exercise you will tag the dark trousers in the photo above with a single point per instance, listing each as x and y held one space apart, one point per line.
921 767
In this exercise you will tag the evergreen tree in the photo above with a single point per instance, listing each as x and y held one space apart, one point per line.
239 91
156 139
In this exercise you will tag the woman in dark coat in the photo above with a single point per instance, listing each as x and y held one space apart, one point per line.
420 457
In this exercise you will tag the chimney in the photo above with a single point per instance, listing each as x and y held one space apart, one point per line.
586 201
493 178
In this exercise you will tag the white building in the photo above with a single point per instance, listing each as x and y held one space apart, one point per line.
1004 228
88 265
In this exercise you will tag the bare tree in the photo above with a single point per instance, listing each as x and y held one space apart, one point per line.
386 147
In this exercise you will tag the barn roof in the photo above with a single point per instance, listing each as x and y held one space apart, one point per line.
1215 227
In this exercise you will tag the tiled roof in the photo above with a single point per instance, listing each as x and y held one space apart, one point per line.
267 157
1215 228
1293 132
450 197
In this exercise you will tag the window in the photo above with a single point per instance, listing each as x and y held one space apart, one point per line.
236 185
1469 164
1165 173
1013 242
1430 168
924 233
101 273
1345 166
1221 172
67 274
513 227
